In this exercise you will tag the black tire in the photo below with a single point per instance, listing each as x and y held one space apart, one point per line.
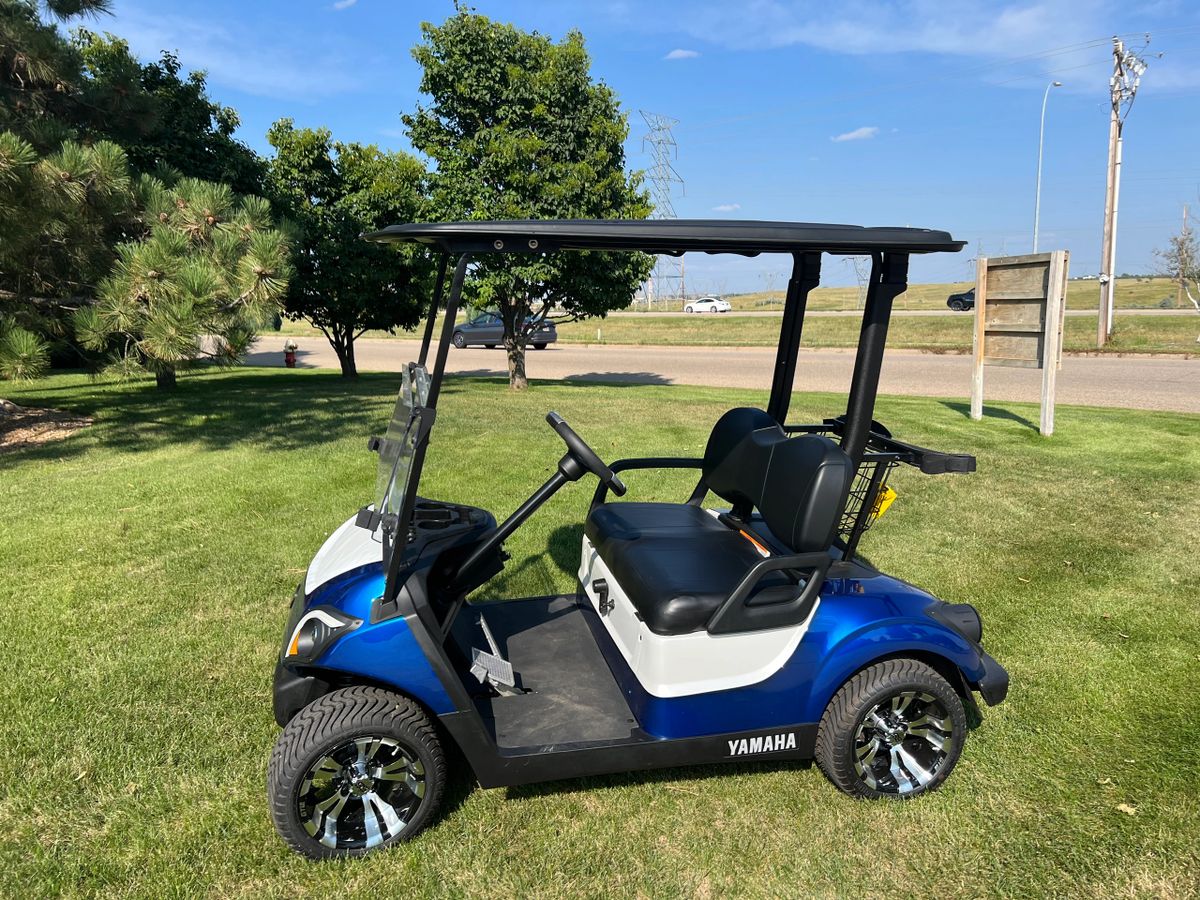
489 346
539 346
956 305
323 731
459 340
845 736
689 309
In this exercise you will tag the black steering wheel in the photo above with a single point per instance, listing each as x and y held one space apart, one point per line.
585 455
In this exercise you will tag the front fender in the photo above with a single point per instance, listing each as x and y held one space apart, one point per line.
385 652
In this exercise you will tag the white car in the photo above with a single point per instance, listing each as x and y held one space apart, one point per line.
707 304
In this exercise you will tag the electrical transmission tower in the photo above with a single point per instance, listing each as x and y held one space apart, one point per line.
1128 68
667 278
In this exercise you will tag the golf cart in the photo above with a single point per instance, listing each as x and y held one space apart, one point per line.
736 624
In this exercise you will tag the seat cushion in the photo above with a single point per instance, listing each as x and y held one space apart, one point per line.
675 562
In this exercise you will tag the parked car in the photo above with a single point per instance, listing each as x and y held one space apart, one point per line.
707 304
959 302
487 329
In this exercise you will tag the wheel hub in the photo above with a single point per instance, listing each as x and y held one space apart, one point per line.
359 782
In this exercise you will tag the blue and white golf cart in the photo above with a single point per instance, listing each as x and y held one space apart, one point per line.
736 624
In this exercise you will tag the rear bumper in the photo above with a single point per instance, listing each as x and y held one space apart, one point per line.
993 684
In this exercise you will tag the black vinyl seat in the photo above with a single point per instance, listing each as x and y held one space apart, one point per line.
678 563
675 562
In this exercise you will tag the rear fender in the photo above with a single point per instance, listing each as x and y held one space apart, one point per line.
891 640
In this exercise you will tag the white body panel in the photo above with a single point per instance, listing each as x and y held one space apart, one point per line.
347 548
679 665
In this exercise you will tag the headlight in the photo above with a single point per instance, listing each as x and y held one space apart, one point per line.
316 630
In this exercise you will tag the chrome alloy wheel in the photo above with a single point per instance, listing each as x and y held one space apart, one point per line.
361 794
902 742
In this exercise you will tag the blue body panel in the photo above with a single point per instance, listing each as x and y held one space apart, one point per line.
386 651
859 620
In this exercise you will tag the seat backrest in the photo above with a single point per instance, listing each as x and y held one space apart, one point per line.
799 484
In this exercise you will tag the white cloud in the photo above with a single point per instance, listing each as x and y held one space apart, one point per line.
276 66
682 54
344 4
727 207
858 134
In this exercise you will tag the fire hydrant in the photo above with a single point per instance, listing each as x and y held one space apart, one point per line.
289 353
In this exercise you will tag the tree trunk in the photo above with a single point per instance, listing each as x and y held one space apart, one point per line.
342 341
165 379
515 346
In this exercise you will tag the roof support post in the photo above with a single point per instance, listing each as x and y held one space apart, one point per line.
438 287
889 279
806 275
439 361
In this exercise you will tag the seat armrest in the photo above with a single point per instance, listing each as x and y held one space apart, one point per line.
737 615
645 462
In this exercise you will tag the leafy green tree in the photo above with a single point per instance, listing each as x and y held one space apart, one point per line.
333 192
209 271
519 130
162 119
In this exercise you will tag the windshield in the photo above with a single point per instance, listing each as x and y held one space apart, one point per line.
397 447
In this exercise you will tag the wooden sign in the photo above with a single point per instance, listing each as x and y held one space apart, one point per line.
1020 302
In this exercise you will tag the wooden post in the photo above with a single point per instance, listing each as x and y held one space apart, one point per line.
1052 340
977 370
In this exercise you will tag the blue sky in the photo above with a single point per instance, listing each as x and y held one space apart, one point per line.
873 113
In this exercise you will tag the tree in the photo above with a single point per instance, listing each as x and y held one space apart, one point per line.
333 192
518 130
210 268
162 119
40 71
60 215
1180 262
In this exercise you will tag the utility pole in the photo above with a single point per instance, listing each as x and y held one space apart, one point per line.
1128 68
667 277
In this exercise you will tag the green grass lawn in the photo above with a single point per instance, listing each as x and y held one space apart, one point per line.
938 334
946 334
148 561
1131 292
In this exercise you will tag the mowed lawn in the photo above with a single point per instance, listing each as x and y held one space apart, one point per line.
1145 291
940 334
147 563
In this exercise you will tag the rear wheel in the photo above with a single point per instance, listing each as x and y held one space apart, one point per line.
357 769
896 729
459 340
539 346
490 346
689 309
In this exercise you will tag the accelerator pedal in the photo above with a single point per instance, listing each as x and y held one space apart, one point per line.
491 667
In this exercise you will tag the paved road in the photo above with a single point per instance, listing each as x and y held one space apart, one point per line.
906 313
1134 382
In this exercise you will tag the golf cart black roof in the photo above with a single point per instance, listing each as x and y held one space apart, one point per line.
669 236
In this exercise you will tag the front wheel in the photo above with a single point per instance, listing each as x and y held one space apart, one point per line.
957 305
896 729
689 309
357 769
459 340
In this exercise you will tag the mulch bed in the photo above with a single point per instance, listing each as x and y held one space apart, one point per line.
25 427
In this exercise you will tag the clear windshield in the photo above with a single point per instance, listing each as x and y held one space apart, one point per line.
398 445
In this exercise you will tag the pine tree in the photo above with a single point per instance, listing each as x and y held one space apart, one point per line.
210 270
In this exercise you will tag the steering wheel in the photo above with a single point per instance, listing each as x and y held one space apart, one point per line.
585 455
